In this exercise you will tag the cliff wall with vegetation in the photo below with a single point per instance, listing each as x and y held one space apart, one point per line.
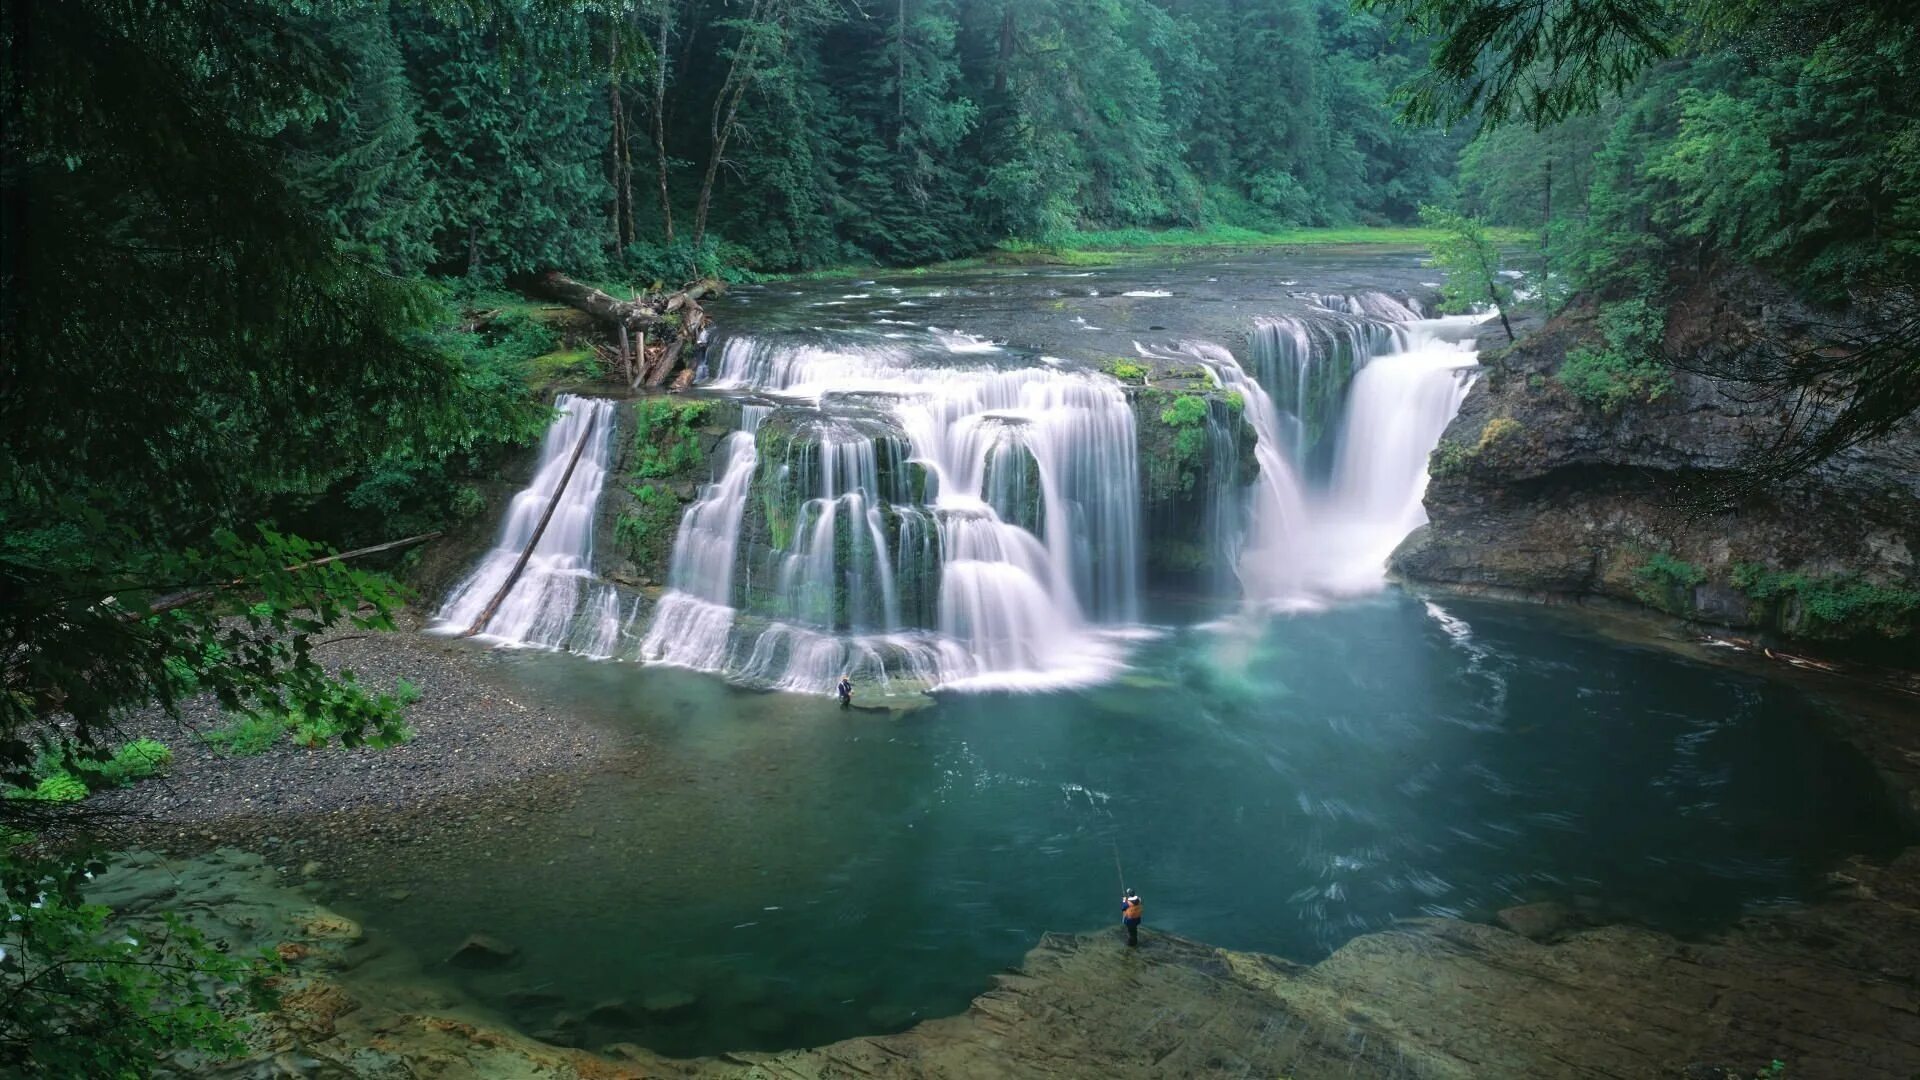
1566 475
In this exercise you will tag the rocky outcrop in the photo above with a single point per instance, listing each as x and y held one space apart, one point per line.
1196 461
1537 492
663 454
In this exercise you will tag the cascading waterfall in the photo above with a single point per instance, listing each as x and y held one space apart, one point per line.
1345 412
932 511
693 623
1024 530
556 603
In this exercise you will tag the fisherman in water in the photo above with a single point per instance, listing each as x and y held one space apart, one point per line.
1130 918
844 688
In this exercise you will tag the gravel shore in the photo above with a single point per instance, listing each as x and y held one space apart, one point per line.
472 738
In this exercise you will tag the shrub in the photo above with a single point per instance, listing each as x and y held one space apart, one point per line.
347 713
1667 583
136 760
1499 428
1127 370
1448 459
60 787
1628 366
666 438
1834 604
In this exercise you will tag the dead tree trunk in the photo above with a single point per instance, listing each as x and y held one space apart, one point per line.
553 504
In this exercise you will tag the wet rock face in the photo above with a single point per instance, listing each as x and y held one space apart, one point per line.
1537 492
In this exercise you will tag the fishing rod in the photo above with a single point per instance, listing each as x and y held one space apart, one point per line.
1122 874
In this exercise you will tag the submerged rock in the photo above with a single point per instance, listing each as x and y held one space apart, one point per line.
483 951
1537 921
669 1004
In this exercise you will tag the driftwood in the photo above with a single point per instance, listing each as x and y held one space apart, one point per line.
634 322
526 553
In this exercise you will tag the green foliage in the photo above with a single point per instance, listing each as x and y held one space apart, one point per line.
347 713
1126 370
646 529
1448 459
1186 411
1784 138
1467 252
1188 416
83 995
1504 61
666 439
137 759
1831 605
1627 367
1667 583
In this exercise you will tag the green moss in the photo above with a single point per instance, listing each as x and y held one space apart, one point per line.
1498 429
1236 401
1829 605
1126 370
565 365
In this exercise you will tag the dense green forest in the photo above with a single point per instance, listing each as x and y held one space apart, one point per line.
790 133
1789 144
244 241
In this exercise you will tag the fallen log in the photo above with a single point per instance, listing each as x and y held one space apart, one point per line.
672 319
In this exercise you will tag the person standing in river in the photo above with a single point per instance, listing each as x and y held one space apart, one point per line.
1130 918
844 688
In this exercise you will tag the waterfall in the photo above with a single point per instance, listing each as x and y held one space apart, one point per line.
557 603
932 516
693 623
1345 411
931 509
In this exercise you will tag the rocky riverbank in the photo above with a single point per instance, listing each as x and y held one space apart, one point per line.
475 741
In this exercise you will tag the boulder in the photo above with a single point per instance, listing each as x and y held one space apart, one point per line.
483 952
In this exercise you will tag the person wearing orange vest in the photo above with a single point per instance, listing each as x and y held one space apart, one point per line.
1130 918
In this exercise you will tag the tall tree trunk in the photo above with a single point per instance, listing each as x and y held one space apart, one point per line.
1006 51
900 73
660 117
726 110
619 151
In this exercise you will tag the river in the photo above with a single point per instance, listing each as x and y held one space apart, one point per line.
1292 755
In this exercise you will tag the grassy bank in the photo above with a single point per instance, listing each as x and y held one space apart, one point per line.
1106 247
